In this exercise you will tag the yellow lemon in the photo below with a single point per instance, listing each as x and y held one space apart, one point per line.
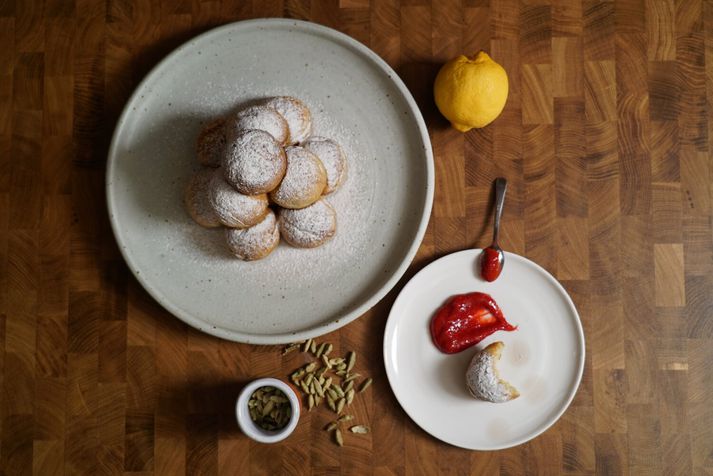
471 92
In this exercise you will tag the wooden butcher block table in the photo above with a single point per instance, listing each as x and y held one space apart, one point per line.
606 144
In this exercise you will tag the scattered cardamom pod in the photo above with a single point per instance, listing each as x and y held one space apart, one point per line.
290 348
351 360
318 388
338 390
349 377
365 385
334 381
332 394
307 345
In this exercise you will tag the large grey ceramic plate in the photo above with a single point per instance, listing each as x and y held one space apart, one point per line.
382 209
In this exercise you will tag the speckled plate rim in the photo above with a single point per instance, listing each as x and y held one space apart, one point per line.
340 320
470 255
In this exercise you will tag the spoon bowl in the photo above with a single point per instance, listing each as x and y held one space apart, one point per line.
492 259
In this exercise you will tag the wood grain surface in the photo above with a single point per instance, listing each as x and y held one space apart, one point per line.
606 142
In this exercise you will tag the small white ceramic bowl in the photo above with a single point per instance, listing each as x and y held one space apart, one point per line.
248 426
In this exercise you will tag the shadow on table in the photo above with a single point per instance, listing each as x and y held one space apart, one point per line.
419 77
96 114
200 409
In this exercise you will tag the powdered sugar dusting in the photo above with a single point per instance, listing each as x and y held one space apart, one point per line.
286 266
197 198
253 243
308 227
332 157
297 115
232 207
484 382
255 162
210 146
261 118
304 179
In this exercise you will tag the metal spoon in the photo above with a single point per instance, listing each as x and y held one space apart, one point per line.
490 268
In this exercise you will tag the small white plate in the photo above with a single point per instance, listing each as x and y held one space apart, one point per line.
543 358
382 208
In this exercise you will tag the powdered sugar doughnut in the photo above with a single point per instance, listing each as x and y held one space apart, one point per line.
255 242
304 180
308 227
483 379
255 162
233 208
261 118
333 159
197 199
210 145
297 115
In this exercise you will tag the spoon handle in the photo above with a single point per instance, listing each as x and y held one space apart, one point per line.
501 186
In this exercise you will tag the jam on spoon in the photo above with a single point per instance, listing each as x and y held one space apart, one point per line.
492 259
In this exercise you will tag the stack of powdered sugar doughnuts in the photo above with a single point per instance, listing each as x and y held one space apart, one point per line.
265 176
